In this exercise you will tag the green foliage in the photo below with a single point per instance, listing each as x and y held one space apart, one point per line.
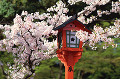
2 36
47 3
1 76
73 10
9 8
48 69
105 24
6 9
6 58
99 64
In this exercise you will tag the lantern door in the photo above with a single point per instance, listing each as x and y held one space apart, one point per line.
71 40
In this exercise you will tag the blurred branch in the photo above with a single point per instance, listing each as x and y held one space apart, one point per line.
2 67
65 1
60 71
105 20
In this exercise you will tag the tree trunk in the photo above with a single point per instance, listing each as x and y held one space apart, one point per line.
51 73
60 72
28 76
82 73
78 77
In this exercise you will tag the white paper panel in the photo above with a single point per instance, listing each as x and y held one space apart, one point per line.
73 33
78 41
72 45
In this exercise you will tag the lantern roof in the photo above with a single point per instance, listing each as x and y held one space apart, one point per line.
74 17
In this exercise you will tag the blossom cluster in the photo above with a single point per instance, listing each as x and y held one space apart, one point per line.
115 7
90 2
99 34
17 72
61 16
89 9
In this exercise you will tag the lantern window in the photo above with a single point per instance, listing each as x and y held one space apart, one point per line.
72 40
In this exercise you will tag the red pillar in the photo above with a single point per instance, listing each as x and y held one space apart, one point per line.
69 59
69 66
69 72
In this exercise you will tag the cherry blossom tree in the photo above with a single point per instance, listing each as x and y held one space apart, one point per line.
28 37
27 40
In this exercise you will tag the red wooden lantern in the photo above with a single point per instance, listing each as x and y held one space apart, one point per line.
69 46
